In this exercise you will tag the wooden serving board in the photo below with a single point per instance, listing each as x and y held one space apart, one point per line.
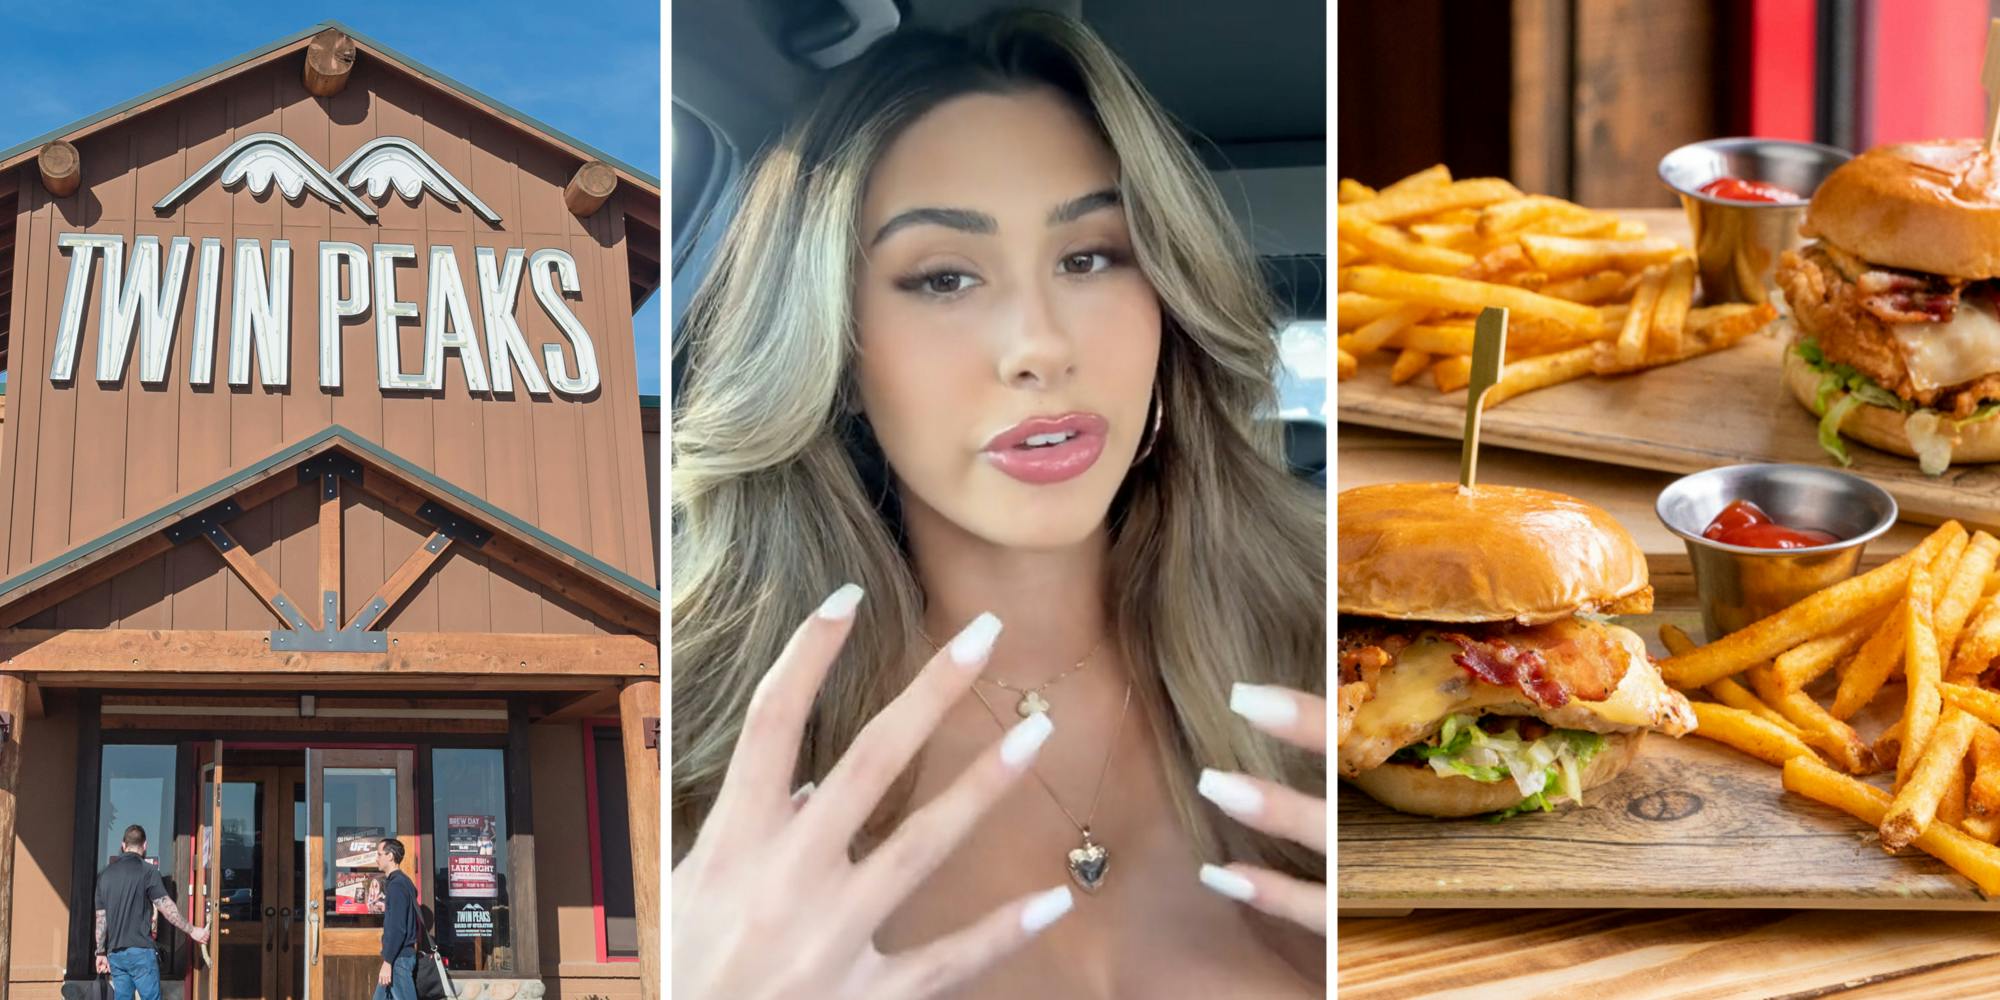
1690 823
1720 409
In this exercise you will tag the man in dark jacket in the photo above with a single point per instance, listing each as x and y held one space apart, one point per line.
397 980
129 892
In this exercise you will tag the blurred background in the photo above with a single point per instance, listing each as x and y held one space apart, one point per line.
1581 98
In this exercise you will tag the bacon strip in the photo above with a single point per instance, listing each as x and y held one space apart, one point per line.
1501 663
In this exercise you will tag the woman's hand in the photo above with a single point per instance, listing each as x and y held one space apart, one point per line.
1299 719
767 903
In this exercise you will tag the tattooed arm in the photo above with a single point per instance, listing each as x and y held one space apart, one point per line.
166 908
100 932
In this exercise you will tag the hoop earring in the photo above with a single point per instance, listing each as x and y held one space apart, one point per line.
1159 408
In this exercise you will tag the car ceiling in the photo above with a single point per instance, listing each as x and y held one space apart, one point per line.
1260 98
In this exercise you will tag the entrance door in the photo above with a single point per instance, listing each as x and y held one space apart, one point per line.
250 843
353 799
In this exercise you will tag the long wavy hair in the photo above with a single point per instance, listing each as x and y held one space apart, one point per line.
1217 564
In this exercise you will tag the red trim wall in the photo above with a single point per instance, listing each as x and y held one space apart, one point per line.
1782 42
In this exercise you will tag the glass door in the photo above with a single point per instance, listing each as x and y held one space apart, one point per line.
207 888
353 799
249 867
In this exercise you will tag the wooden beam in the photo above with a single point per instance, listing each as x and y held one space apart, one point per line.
588 706
277 724
253 575
329 60
589 188
639 701
61 167
523 880
35 708
398 585
13 700
550 570
329 540
141 680
162 653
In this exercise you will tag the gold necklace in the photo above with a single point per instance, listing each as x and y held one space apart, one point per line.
1032 699
1090 861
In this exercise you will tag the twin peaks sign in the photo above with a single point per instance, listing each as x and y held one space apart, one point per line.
144 286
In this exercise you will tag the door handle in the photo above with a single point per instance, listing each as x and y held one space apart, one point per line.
312 931
285 929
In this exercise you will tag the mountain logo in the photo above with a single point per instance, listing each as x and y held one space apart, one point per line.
262 160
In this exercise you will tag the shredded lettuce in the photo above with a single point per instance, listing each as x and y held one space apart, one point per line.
1546 771
1853 390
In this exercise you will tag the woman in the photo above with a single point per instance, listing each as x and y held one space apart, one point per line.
979 358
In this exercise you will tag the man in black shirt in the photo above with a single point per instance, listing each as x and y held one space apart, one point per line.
129 892
397 980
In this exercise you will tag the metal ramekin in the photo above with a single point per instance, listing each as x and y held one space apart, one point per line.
1738 585
1737 243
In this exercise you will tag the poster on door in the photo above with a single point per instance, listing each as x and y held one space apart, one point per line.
357 885
473 877
472 920
470 834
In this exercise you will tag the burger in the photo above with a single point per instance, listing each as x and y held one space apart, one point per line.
1898 337
1479 671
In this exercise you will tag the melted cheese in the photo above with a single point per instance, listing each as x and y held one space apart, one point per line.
1942 354
1425 685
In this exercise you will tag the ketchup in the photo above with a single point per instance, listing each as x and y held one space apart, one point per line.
1744 523
1737 189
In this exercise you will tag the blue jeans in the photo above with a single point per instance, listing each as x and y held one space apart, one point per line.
402 980
139 969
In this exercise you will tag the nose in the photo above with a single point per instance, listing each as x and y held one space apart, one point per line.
1037 353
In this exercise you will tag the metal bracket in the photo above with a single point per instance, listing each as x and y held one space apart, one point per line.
207 521
289 612
452 526
331 463
6 726
652 724
314 641
330 637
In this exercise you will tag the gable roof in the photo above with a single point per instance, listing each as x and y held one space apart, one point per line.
297 42
563 567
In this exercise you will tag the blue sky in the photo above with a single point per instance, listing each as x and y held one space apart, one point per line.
596 77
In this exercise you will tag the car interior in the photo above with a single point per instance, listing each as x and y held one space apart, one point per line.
1245 79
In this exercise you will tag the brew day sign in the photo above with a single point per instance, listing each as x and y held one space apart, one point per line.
140 287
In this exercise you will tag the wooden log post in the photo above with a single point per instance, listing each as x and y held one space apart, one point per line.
62 168
638 703
329 58
590 188
14 703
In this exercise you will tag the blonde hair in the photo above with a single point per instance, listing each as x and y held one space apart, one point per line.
1217 564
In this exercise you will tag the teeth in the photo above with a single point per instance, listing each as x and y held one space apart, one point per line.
1045 440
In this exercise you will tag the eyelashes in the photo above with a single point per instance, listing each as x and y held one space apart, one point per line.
947 282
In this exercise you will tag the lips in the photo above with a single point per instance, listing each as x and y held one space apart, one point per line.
1045 450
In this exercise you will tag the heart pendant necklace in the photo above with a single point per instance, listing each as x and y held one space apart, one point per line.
1090 861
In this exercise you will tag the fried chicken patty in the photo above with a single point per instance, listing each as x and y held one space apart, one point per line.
1842 304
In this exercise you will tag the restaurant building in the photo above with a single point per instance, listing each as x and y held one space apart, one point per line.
328 513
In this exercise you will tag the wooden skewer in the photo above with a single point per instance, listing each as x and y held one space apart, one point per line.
1989 78
1489 351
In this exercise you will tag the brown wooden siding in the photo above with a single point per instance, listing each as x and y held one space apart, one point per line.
77 460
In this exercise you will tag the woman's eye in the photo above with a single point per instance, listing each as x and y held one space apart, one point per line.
945 283
938 283
1086 263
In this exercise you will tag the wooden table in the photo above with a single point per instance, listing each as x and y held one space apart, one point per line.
1681 953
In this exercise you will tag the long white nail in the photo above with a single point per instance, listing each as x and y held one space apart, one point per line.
1046 908
969 649
1025 740
1265 706
1235 795
803 793
1227 883
840 604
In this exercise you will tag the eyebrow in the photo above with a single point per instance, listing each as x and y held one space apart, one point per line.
966 220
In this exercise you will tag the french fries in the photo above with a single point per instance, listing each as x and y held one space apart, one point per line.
1803 663
1746 732
1930 777
1921 672
1817 728
1570 276
1870 668
1438 291
1829 609
1973 701
1979 643
1982 796
1348 365
1409 362
1977 861
1452 373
